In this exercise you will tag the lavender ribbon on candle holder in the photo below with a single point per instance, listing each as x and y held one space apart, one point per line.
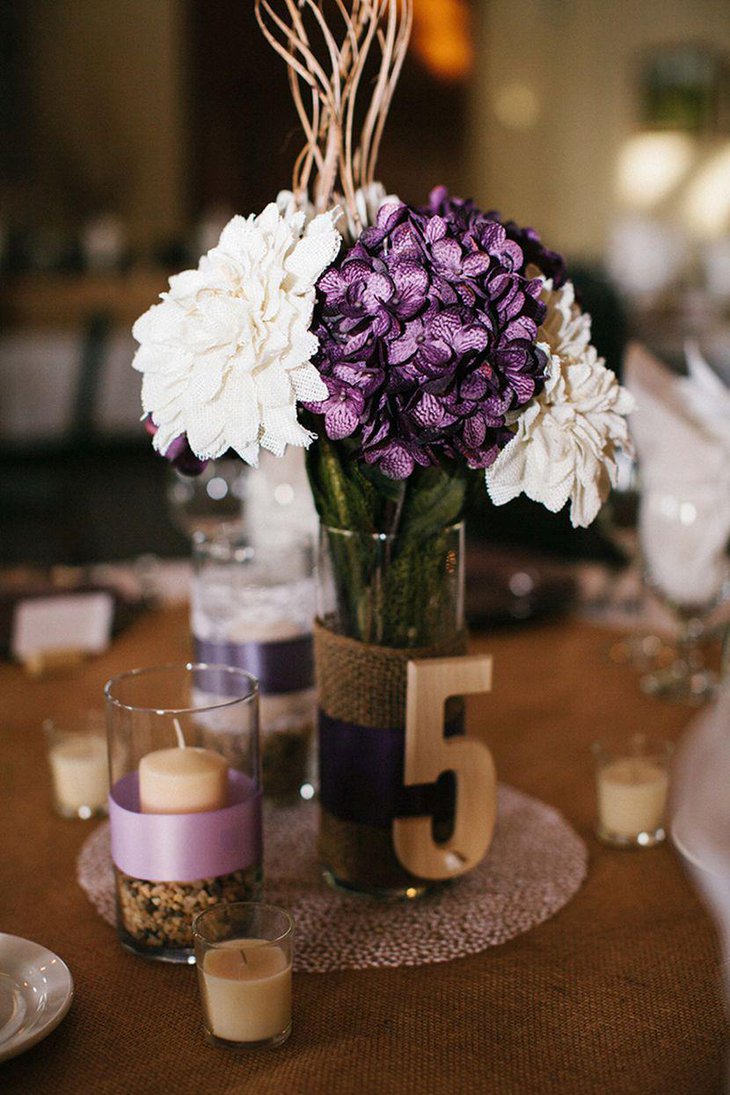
185 847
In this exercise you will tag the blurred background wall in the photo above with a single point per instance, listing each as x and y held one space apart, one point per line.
106 120
156 109
560 89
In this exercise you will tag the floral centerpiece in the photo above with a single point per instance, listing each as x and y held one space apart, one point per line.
418 353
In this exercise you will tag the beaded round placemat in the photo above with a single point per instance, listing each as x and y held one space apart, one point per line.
534 866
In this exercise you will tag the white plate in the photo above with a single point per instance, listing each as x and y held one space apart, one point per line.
36 990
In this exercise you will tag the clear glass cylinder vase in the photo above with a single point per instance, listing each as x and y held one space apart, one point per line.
381 601
185 800
252 606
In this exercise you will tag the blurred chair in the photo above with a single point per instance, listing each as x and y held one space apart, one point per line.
80 481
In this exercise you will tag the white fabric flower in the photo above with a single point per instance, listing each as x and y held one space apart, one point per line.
227 354
566 329
566 439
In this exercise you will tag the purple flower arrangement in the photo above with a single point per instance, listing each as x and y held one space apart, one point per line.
415 352
427 330
439 345
431 346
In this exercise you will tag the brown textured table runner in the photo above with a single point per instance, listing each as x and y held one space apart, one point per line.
616 994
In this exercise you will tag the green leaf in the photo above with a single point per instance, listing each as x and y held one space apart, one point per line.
342 495
435 499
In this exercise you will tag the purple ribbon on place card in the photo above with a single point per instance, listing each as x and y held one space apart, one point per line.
361 774
185 847
286 665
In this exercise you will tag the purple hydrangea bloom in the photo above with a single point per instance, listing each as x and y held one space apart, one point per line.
427 340
464 212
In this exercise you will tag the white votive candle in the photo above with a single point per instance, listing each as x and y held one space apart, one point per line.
80 774
247 990
632 796
182 781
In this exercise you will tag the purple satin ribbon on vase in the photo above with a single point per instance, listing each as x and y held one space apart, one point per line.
361 774
185 847
286 665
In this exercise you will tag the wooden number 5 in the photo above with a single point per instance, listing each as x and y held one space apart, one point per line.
428 753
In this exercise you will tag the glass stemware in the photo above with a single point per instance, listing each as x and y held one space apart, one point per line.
683 537
618 518
619 521
202 503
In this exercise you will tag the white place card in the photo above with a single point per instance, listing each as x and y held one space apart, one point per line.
73 621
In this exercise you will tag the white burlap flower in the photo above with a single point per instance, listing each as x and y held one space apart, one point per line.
566 439
227 354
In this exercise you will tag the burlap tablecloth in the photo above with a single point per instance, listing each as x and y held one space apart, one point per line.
617 993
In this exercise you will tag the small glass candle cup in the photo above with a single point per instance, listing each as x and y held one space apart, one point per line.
243 954
77 757
632 784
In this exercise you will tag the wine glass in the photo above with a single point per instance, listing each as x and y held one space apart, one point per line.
619 521
203 502
683 532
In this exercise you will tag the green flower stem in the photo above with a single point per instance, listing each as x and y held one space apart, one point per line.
389 591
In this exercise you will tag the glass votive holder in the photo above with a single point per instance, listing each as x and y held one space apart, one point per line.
632 783
243 954
77 758
253 607
185 800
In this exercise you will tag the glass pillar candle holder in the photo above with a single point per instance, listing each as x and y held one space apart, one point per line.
185 800
253 608
77 757
243 954
632 789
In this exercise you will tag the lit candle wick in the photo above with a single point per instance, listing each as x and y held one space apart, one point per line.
179 734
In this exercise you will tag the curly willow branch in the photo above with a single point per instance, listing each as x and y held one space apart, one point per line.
327 56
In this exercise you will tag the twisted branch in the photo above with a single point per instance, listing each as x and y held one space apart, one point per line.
326 66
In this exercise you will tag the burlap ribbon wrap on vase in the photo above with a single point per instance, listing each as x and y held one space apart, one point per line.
410 595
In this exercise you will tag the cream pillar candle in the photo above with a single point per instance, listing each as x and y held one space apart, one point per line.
80 773
632 796
247 990
182 781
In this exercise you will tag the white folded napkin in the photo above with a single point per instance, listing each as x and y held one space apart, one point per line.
674 425
707 395
683 445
